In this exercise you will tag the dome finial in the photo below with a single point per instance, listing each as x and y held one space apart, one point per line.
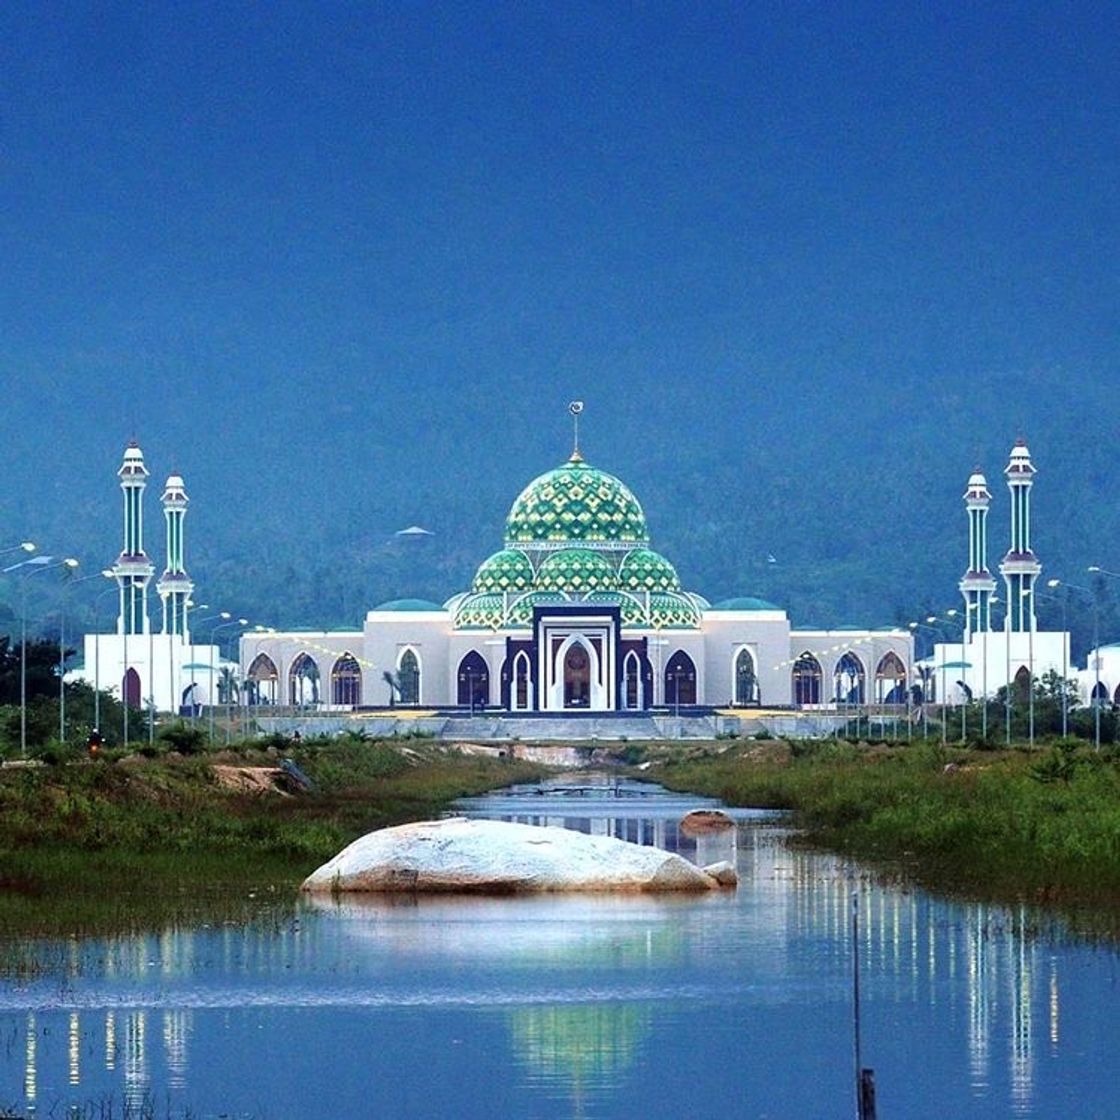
575 408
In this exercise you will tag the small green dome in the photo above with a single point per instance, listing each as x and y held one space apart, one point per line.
633 610
576 502
575 570
480 612
405 605
646 570
521 612
508 570
744 603
668 610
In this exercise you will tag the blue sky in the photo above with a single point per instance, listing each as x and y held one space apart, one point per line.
286 243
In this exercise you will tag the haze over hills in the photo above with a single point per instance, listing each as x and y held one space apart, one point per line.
343 270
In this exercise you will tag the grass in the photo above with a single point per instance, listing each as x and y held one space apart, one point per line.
129 843
1040 826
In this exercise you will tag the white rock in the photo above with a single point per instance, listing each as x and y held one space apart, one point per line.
500 857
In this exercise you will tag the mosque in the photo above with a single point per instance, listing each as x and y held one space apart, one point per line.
576 612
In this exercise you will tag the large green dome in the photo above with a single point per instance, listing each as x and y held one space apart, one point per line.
576 502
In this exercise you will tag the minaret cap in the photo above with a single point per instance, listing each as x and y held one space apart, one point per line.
174 490
1020 461
133 464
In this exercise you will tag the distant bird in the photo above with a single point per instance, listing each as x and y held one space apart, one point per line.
414 531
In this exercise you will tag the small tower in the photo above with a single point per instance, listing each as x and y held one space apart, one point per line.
977 583
175 585
133 570
1020 569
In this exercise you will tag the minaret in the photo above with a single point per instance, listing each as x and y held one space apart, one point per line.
133 570
977 583
1020 569
175 585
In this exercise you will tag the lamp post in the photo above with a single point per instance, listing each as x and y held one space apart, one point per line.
71 565
952 613
1094 700
35 564
1053 583
23 546
108 574
213 637
1096 569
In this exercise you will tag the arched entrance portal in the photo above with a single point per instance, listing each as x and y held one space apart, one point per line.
632 682
577 677
474 681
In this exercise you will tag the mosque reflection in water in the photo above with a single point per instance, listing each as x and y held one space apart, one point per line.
585 990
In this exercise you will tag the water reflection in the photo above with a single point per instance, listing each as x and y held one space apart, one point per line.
601 1006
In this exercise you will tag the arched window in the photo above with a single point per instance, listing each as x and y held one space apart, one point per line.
746 680
408 677
522 684
474 681
303 681
807 678
680 680
849 680
262 680
130 688
346 681
632 682
1099 694
890 680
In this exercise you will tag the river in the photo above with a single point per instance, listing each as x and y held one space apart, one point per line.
736 1004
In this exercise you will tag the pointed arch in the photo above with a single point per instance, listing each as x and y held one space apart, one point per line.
1099 695
408 676
346 681
849 680
746 678
130 688
474 681
890 680
303 681
807 679
263 679
521 683
680 679
632 682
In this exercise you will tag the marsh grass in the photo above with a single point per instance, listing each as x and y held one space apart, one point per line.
133 843
1039 826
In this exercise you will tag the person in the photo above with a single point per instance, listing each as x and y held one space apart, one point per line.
94 742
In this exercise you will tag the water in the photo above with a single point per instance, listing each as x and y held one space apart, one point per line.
734 1004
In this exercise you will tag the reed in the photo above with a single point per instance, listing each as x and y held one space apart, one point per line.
1035 826
132 842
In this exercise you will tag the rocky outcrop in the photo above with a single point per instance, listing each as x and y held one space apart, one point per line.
700 821
500 857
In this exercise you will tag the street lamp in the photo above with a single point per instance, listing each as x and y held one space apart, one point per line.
36 564
23 546
70 565
1094 700
213 641
108 574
